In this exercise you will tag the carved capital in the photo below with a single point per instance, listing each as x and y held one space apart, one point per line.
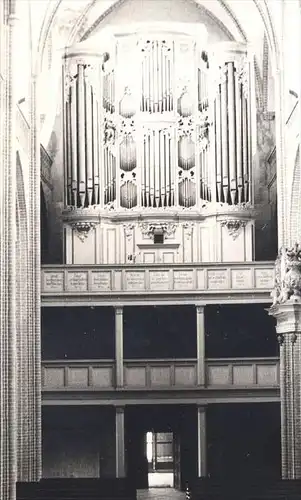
234 226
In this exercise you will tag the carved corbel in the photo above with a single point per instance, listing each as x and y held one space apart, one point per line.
82 221
234 226
82 228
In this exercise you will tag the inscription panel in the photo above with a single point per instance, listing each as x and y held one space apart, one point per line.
241 278
77 281
53 282
135 280
101 281
218 279
264 278
159 280
183 280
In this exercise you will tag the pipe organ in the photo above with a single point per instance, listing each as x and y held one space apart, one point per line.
158 127
232 128
83 155
157 121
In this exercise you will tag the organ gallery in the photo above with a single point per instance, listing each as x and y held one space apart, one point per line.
158 122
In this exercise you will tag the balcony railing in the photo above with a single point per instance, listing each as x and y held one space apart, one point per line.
253 280
168 374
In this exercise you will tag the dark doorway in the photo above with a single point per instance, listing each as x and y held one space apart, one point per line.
161 448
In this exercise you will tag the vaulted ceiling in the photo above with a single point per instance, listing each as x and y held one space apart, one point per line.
241 20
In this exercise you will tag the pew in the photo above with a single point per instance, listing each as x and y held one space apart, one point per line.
244 489
77 489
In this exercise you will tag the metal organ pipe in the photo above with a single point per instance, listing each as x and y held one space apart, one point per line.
238 138
232 130
218 143
95 122
224 129
68 148
245 147
89 141
81 135
74 139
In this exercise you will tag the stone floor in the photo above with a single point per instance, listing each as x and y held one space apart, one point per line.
160 494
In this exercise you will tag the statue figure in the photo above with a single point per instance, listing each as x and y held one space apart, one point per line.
287 275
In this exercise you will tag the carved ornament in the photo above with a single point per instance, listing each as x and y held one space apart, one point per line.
128 230
234 226
185 127
148 229
81 220
287 275
188 228
82 228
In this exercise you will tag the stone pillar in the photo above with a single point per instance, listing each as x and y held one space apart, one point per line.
288 316
8 223
286 309
200 329
202 442
119 346
119 440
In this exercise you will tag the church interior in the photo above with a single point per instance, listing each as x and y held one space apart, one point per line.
150 222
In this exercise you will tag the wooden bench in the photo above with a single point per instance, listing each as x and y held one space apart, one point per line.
242 489
77 489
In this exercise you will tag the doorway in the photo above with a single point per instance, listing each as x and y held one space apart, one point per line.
161 445
160 459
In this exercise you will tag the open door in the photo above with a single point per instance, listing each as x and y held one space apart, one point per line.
177 461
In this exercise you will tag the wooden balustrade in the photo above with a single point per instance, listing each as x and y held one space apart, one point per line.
209 282
148 375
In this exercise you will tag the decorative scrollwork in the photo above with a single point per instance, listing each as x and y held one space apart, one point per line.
234 226
82 228
148 229
109 131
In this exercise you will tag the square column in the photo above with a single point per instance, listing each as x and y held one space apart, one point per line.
119 346
202 442
200 331
119 441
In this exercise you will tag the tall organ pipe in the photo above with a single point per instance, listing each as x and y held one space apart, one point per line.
245 147
224 128
232 130
81 135
95 122
74 140
218 147
68 148
238 113
89 142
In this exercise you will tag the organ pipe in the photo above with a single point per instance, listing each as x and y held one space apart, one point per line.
81 134
232 135
170 164
231 131
238 140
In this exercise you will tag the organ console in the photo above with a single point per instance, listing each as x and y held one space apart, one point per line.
158 120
